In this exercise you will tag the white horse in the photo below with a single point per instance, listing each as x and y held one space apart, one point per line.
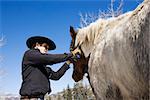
119 55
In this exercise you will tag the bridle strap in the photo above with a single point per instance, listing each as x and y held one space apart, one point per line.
76 51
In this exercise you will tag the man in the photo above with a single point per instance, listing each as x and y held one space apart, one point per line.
35 74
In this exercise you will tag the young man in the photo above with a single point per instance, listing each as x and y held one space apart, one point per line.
35 74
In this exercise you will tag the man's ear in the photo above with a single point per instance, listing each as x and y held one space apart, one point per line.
72 32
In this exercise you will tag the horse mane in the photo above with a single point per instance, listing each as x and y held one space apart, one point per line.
88 36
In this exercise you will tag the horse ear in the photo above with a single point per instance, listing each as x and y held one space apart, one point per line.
72 32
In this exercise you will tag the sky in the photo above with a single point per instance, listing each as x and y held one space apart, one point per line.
20 19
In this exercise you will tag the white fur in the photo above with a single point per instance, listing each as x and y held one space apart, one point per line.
116 46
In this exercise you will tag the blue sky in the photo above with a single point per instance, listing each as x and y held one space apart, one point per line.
21 19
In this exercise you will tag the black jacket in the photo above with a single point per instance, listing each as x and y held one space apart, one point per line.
36 75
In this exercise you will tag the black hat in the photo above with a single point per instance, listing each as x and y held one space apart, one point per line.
40 39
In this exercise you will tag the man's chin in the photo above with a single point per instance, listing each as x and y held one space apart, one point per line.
44 52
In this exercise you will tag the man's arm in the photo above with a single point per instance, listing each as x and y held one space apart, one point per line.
35 57
57 75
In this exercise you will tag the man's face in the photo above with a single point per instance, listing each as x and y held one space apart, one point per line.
42 47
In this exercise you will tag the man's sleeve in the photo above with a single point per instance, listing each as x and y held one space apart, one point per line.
35 57
57 75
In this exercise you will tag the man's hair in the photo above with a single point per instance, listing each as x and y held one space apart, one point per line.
34 44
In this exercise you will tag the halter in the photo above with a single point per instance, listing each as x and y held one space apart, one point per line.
76 52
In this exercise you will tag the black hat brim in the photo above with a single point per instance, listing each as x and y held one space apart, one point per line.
40 39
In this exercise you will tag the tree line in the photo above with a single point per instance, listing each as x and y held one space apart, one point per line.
78 92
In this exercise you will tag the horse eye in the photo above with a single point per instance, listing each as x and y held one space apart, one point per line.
78 56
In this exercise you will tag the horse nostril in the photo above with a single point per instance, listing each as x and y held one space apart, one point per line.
75 79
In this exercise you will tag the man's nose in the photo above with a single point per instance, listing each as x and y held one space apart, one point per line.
46 50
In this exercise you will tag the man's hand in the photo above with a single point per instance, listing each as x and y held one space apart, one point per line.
68 62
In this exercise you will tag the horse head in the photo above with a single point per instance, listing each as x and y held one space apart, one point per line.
80 66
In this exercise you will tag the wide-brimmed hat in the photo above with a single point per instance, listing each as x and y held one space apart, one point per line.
40 39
